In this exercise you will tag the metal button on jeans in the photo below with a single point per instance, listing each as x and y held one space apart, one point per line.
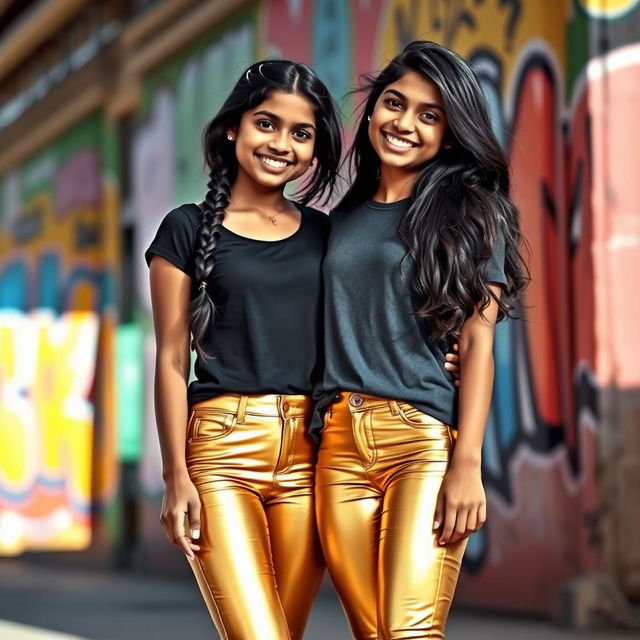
355 400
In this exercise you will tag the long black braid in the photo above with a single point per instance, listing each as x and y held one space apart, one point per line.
254 87
201 308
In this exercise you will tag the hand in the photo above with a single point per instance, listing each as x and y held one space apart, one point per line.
452 363
461 507
181 498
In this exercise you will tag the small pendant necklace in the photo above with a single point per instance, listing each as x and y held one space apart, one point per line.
271 217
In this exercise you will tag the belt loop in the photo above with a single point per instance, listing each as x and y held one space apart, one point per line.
242 409
393 406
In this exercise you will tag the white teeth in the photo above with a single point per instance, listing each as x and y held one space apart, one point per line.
278 164
396 142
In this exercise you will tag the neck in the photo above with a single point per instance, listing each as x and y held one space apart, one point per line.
246 193
395 184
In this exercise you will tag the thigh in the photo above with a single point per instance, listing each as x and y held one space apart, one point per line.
348 513
417 576
234 568
297 557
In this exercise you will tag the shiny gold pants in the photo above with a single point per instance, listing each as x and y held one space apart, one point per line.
379 470
260 563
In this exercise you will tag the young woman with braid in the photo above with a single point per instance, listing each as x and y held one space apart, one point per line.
241 272
423 251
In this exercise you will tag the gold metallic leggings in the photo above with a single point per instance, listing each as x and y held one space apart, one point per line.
379 470
260 563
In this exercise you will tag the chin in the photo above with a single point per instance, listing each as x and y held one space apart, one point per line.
395 162
272 181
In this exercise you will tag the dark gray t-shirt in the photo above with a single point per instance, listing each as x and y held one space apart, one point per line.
374 342
268 297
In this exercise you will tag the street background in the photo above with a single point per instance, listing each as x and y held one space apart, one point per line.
106 606
101 109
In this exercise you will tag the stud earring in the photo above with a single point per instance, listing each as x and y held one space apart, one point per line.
229 137
369 118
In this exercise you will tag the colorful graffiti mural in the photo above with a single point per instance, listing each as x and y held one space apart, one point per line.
57 302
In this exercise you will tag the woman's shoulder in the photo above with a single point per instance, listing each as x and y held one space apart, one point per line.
187 213
314 216
184 217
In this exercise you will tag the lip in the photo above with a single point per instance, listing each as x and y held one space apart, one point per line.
270 168
394 148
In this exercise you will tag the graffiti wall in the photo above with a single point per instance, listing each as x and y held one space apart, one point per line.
58 258
549 87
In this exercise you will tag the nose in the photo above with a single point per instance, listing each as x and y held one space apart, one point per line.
279 142
404 121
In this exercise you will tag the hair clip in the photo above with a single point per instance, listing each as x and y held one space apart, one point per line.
246 75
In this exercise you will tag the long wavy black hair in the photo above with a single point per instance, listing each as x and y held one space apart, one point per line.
460 205
255 86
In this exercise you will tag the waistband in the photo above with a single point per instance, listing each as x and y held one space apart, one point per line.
364 402
272 405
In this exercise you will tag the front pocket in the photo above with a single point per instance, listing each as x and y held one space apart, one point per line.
210 424
416 418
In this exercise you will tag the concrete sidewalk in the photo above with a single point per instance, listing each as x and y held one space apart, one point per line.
95 605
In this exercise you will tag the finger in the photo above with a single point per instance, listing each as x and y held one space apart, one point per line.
438 516
165 526
482 515
185 546
194 520
455 346
450 515
177 528
472 521
460 529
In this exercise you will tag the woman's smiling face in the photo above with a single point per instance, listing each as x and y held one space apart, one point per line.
408 124
274 141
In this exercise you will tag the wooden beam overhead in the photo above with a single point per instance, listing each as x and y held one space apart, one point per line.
44 20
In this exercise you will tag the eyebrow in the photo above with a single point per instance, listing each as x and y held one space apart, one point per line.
273 116
427 105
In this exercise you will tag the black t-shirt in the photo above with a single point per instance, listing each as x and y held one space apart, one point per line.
267 296
374 341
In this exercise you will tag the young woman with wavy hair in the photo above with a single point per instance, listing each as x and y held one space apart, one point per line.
241 273
423 252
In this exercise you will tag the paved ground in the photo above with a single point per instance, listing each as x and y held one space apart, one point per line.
90 605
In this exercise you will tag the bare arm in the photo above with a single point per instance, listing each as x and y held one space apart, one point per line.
170 289
461 507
